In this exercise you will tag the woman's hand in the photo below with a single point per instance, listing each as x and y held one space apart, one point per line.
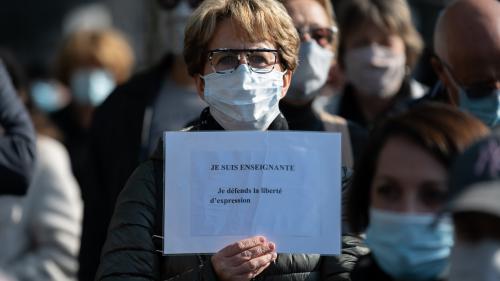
245 259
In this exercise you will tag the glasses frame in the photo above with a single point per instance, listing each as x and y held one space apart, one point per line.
239 51
306 29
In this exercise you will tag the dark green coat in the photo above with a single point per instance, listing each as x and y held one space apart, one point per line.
131 252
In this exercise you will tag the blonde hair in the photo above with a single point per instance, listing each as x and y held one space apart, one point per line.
393 16
107 48
259 20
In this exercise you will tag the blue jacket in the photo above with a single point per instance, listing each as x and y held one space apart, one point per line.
17 140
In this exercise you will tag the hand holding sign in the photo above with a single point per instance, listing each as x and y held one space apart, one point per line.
281 185
244 259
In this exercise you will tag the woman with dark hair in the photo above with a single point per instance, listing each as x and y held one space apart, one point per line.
398 187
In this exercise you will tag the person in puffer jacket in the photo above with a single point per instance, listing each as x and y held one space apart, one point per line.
240 52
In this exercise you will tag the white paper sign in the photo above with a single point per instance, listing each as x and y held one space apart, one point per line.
221 187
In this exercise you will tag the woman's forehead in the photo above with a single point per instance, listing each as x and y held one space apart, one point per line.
229 35
307 12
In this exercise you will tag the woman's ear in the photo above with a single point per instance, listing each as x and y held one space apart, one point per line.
287 79
200 86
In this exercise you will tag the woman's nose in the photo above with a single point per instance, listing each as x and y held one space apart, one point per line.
305 37
242 59
409 204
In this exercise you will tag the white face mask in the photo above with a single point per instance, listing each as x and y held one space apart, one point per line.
244 100
475 261
375 70
91 86
312 72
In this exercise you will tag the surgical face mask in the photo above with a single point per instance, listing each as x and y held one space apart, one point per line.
312 72
486 108
91 87
47 96
409 246
375 70
244 100
475 261
176 24
484 103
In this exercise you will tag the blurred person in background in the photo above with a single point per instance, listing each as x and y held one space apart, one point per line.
159 98
378 48
17 140
475 205
399 187
467 61
48 94
90 63
314 20
40 233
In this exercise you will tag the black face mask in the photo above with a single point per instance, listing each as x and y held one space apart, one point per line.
171 4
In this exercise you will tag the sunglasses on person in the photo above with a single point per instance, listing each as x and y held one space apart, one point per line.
171 4
324 36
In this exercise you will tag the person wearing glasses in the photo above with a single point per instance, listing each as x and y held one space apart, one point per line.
241 54
378 47
314 20
467 61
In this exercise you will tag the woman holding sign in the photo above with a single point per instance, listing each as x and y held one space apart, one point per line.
241 54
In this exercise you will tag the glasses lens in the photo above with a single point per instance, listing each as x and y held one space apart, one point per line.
223 62
258 61
262 61
323 36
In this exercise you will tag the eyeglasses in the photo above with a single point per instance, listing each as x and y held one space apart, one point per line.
324 36
475 91
171 4
227 60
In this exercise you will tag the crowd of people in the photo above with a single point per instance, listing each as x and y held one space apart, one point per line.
82 160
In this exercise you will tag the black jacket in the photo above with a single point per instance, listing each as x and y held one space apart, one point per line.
115 150
301 118
367 269
17 140
359 127
130 249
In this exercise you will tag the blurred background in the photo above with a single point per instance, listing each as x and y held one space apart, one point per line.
33 30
